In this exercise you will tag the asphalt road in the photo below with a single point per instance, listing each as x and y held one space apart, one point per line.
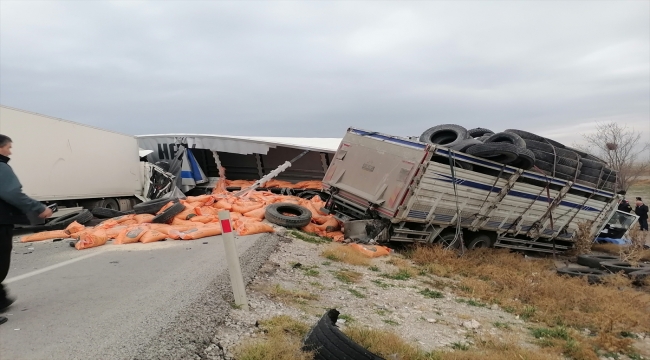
119 301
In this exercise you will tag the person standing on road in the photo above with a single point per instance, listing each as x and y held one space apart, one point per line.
14 205
641 211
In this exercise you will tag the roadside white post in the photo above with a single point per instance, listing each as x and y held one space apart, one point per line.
234 268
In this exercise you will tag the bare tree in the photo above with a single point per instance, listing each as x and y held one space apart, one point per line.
621 148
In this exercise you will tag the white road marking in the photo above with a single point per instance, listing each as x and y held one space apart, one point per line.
52 267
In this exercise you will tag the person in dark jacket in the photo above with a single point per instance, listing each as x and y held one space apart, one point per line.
14 205
625 206
641 211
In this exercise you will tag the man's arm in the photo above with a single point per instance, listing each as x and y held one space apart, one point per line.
11 191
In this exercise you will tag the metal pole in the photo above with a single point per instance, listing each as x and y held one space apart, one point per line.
234 268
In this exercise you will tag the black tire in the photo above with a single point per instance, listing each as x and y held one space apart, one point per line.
447 135
329 343
483 138
463 145
152 206
478 132
525 135
542 146
609 175
594 276
558 168
639 277
590 179
592 172
500 152
479 242
609 186
555 143
526 160
505 137
449 240
169 213
550 158
597 165
104 213
274 215
593 261
624 266
62 222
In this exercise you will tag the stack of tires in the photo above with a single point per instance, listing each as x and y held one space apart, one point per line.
525 150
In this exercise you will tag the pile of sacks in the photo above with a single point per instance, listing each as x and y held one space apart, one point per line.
198 220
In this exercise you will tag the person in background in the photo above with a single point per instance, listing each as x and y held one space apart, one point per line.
641 211
14 205
625 206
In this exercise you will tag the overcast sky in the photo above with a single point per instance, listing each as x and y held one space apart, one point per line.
315 68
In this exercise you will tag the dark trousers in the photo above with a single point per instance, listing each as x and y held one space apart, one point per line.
6 235
644 224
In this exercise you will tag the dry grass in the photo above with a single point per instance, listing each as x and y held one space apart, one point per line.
584 241
532 289
282 341
287 296
390 346
348 276
641 255
346 254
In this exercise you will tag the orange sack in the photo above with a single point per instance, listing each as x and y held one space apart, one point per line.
256 214
245 207
330 225
152 236
222 204
254 227
112 233
143 218
203 219
131 235
167 206
198 233
123 218
75 227
94 239
45 235
335 236
371 250
106 224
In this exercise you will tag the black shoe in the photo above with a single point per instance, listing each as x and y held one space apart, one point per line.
3 319
6 303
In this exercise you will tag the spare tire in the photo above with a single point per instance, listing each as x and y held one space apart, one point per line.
447 135
478 132
104 213
152 206
624 266
509 138
62 222
593 261
500 152
275 215
594 276
168 215
536 145
526 160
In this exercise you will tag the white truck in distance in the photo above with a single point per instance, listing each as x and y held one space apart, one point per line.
74 165
390 188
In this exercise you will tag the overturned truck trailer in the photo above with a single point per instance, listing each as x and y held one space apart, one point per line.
397 189
196 158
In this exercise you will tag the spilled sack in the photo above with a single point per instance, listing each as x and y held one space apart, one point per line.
90 240
371 250
45 235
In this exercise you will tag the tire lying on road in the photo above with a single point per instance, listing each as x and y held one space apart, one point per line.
446 134
624 266
152 206
593 261
275 214
60 223
500 152
329 343
594 276
169 213
104 213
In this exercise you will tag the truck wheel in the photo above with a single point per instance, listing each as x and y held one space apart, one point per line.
479 242
509 138
152 206
500 152
275 215
168 215
103 213
447 135
449 240
593 261
478 132
62 222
